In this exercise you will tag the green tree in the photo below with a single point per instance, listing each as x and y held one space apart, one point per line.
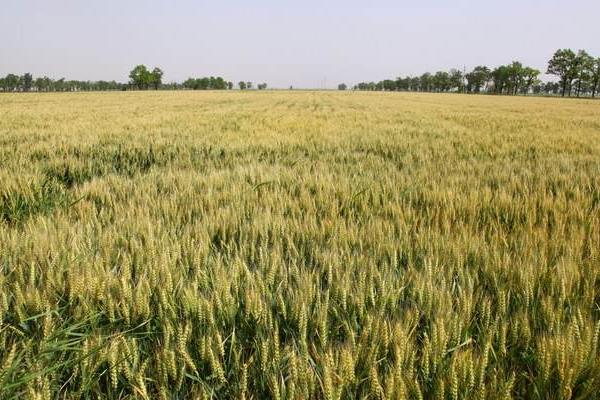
11 82
584 65
156 77
529 78
59 85
441 81
203 83
342 86
262 86
515 77
455 80
39 85
212 83
389 85
140 77
218 83
26 82
44 84
501 77
402 83
426 82
242 85
189 83
595 77
564 65
414 83
478 78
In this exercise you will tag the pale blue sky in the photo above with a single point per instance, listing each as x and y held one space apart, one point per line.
299 43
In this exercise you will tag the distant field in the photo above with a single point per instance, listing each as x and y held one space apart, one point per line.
296 245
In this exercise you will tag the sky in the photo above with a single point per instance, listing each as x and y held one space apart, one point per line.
305 44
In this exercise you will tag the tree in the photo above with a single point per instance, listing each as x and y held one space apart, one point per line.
140 77
414 83
189 83
426 82
441 81
515 77
595 77
40 85
563 64
366 86
217 83
477 78
500 77
203 83
529 78
11 82
389 85
342 86
248 85
213 83
242 85
402 83
156 77
262 86
26 82
455 80
59 85
584 65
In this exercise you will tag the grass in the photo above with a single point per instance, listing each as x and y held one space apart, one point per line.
299 245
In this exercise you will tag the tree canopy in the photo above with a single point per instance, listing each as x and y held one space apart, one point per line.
210 83
142 78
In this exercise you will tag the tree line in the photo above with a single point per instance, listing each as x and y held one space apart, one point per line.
210 83
505 79
27 83
140 78
578 73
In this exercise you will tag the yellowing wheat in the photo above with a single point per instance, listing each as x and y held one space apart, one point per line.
299 245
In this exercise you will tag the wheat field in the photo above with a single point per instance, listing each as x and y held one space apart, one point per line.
298 245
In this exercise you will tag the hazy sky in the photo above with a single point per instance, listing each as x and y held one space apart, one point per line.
301 43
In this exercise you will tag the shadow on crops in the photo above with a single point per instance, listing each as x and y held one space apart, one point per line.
83 165
19 203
